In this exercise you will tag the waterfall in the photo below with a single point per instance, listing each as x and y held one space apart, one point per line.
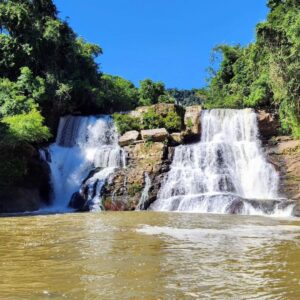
226 172
145 193
85 153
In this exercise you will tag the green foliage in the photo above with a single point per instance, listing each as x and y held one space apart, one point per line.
125 122
265 73
61 64
149 120
189 123
150 91
187 97
172 122
166 98
152 120
27 127
121 94
21 96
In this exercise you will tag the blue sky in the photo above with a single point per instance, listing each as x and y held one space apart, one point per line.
167 40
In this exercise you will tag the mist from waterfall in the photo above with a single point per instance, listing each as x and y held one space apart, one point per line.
226 172
83 145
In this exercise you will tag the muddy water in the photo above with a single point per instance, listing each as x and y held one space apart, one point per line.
148 255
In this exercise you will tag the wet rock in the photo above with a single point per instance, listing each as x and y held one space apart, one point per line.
78 202
128 138
155 135
236 207
19 199
268 124
296 210
125 186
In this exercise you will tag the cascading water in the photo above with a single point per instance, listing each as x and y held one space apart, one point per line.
145 194
226 172
86 151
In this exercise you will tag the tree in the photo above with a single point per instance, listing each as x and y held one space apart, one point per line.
27 127
120 93
150 91
265 73
34 37
22 95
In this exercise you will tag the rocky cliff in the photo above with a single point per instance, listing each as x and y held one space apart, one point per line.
284 153
32 192
150 152
124 189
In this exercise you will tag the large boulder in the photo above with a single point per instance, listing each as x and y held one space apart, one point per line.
192 118
139 111
163 109
192 123
128 138
176 138
268 124
155 135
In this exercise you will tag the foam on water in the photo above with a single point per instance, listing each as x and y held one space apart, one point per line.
83 144
226 172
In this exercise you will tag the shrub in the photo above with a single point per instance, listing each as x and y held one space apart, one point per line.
189 123
125 122
172 122
27 127
150 91
152 120
166 98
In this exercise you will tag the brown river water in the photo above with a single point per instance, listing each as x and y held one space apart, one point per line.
149 255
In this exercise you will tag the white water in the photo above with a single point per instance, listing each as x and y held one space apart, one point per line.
223 170
83 144
145 193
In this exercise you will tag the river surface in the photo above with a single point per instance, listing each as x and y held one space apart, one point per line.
149 255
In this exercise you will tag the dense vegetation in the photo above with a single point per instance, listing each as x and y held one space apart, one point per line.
188 97
265 73
149 120
46 71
